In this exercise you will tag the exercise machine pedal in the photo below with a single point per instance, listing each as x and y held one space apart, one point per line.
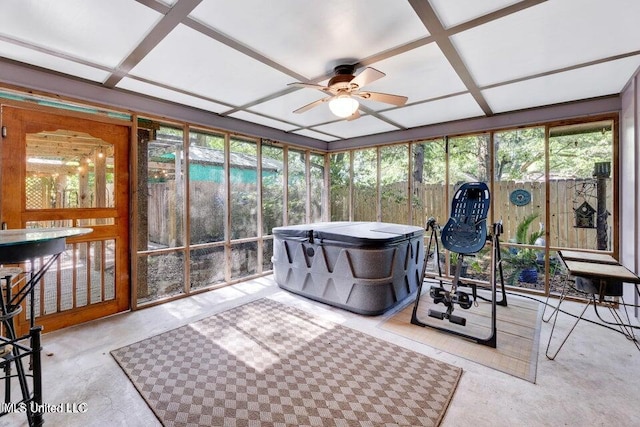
457 320
437 314
451 317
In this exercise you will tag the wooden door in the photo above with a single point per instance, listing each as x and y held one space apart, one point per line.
60 170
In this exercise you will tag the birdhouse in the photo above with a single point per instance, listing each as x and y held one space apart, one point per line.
585 216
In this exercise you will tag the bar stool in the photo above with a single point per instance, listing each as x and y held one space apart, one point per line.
12 351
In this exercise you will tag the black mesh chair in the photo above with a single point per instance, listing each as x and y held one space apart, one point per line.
466 231
464 234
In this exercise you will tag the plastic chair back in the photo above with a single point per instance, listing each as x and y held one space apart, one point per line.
466 230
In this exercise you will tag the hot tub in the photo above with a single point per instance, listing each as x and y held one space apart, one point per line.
364 267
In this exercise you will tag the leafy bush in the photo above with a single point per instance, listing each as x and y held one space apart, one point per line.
520 259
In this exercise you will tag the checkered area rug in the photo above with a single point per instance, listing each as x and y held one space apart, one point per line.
265 363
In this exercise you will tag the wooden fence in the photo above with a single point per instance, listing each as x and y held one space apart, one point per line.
431 200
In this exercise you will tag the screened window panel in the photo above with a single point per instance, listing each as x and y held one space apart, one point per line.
244 188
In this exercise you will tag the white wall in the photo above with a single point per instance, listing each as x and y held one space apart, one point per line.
629 182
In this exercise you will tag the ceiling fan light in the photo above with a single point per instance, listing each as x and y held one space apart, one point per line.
343 105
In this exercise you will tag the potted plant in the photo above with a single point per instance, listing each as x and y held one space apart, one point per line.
453 262
524 262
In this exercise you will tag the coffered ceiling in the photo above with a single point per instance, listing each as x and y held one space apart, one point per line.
453 59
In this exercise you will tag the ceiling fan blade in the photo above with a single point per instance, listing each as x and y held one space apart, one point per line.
310 86
312 105
368 75
383 97
354 116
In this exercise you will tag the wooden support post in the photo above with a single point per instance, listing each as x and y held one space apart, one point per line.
142 191
601 171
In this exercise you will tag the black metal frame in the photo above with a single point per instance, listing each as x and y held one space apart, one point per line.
452 297
595 296
20 351
10 306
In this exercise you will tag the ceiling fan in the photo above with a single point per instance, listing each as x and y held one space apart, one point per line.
344 88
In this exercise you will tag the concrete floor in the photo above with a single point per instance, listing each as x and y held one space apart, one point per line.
593 381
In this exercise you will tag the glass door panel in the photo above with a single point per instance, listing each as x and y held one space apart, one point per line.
244 188
469 160
161 212
519 202
340 186
581 185
394 183
428 192
365 185
317 186
296 188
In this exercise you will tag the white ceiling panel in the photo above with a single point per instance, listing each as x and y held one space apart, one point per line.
256 118
170 95
310 37
454 12
443 110
419 74
50 62
238 57
317 135
365 125
104 32
588 82
551 35
188 60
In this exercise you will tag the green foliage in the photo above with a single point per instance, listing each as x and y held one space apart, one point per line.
208 140
365 165
238 145
519 154
469 158
339 170
296 187
165 130
429 162
519 259
573 155
394 164
522 236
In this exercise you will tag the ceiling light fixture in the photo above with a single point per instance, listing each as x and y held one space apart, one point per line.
343 105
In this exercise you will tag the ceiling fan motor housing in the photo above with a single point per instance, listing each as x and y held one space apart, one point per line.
344 74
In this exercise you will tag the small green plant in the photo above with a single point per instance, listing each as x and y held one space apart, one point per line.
523 229
453 262
472 263
476 267
520 259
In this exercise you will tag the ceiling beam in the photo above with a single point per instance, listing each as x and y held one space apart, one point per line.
28 78
517 7
155 5
233 44
430 20
564 69
528 117
174 16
